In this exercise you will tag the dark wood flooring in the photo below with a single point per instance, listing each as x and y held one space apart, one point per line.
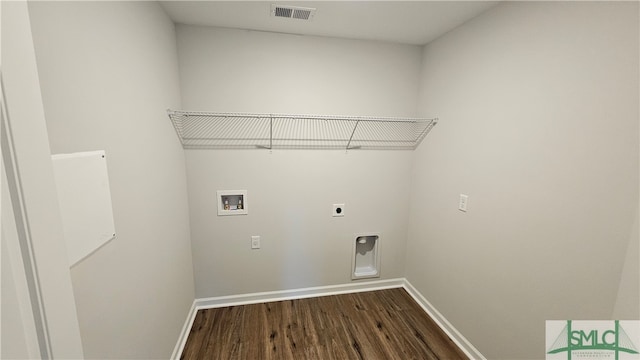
384 324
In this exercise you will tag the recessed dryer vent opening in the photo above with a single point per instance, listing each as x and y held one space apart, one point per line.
366 257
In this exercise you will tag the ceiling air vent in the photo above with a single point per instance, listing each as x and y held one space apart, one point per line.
292 12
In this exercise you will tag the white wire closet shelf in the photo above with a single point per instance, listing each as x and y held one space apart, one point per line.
209 130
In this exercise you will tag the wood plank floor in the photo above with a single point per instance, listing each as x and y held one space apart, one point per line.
384 324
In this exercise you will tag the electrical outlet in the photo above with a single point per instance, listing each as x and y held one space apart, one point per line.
338 210
462 204
255 242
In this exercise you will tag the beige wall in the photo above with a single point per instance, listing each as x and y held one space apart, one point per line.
538 105
290 202
108 72
539 126
252 71
291 192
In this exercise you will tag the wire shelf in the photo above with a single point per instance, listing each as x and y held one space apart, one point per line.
206 130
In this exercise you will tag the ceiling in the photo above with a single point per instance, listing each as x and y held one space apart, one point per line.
407 22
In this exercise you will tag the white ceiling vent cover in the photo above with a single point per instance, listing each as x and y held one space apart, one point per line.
292 12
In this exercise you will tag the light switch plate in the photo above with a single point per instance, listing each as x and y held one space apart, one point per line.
255 242
462 204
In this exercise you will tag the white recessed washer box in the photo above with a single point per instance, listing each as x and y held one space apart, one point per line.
232 202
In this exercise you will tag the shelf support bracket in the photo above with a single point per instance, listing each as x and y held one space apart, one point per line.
353 132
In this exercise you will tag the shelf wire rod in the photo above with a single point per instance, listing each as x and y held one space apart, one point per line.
365 133
409 131
305 127
239 130
197 124
205 128
327 132
246 125
337 134
256 132
426 130
397 131
370 134
253 129
247 129
191 128
415 130
289 128
176 120
313 129
423 129
213 129
401 132
264 133
336 129
260 128
299 130
377 132
318 129
186 125
271 133
414 133
324 130
279 128
198 127
343 130
229 127
291 116
406 132
179 125
302 132
331 132
264 126
358 134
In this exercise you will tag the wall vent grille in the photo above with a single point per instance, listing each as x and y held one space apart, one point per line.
292 12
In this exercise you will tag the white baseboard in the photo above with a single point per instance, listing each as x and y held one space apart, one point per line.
443 323
357 286
262 297
184 334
